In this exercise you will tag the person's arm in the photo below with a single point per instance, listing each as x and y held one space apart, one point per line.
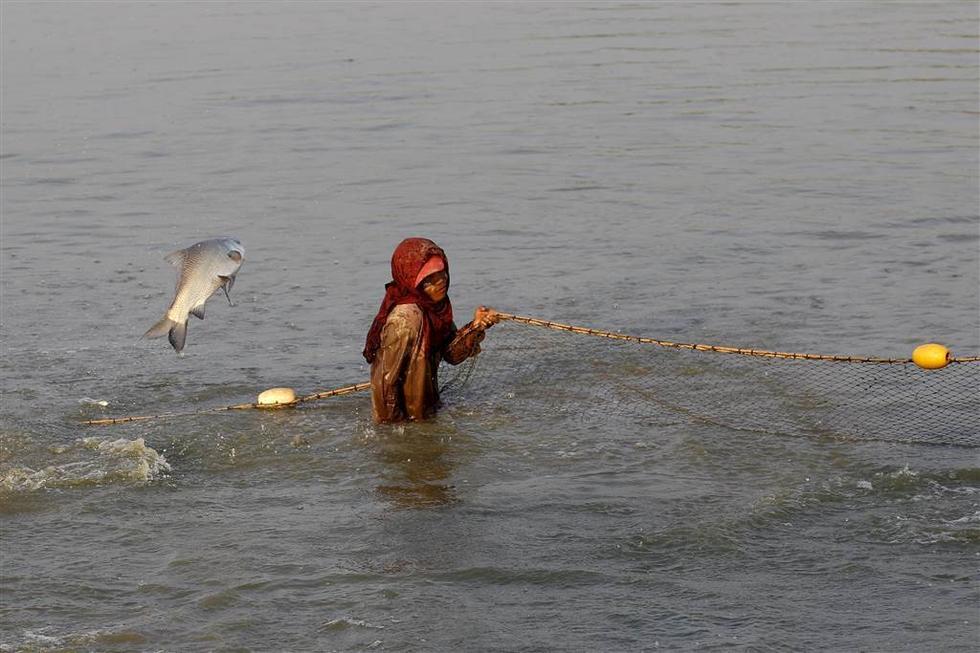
388 370
466 341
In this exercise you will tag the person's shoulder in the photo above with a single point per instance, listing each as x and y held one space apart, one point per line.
407 313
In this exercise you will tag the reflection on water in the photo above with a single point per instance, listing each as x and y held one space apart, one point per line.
418 461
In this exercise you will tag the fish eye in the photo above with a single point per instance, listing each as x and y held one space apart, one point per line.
235 255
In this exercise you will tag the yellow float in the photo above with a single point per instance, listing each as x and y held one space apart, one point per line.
931 356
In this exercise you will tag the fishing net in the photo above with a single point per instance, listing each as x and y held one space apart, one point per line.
601 378
531 366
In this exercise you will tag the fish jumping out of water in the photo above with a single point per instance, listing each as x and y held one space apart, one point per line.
203 268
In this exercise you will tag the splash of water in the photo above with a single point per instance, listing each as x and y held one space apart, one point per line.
86 462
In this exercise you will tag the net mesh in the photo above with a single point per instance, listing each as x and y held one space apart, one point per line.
597 378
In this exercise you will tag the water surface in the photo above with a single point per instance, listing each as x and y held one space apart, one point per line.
785 176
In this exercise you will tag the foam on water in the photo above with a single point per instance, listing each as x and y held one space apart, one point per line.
86 462
342 623
43 639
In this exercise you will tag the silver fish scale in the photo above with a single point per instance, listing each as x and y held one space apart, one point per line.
202 266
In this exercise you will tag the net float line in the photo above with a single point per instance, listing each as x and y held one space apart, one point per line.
929 356
272 398
336 392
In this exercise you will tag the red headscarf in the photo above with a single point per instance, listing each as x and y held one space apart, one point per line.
406 263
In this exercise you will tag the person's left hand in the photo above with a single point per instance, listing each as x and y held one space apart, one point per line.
485 317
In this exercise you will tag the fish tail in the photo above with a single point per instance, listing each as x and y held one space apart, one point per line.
160 328
176 332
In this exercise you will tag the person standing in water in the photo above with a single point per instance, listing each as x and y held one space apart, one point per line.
414 330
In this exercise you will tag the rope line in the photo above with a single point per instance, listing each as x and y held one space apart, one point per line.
547 324
721 349
336 392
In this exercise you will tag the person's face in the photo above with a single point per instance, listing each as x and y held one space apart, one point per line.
436 285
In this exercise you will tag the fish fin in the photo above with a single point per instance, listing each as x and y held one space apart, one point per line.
198 312
160 328
176 258
226 283
178 334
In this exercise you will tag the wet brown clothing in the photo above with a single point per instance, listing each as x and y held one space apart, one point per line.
404 380
407 262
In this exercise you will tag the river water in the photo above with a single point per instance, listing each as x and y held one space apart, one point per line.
795 176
